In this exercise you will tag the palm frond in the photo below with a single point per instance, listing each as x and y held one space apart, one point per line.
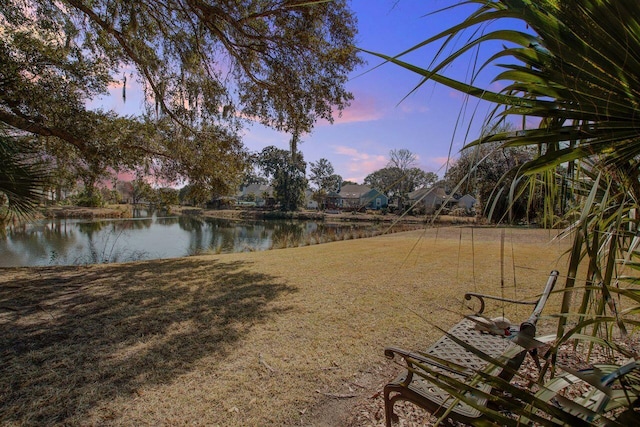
22 178
574 66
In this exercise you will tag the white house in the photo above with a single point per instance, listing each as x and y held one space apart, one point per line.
258 193
308 200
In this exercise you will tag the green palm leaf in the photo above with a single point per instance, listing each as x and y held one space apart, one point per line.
575 66
579 65
22 178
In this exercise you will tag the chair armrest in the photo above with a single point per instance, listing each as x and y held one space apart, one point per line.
482 297
540 303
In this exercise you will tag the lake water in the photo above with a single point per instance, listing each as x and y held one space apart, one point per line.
78 242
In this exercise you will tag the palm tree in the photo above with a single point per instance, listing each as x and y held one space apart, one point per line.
22 179
575 67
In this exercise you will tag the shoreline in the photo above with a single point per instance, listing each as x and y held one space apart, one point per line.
126 211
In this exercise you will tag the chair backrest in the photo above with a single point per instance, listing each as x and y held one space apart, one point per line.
528 327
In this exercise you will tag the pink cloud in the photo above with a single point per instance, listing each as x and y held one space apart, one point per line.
346 151
497 86
362 109
120 176
407 107
454 94
438 164
360 164
116 84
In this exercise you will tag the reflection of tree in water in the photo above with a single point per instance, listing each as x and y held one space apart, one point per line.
141 213
224 236
194 226
91 227
34 243
59 241
104 247
209 234
138 224
287 234
58 228
190 223
332 232
99 251
48 228
249 237
168 220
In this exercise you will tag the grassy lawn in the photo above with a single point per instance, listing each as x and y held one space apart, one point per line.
250 339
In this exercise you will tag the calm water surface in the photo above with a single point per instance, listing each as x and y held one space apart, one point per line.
74 241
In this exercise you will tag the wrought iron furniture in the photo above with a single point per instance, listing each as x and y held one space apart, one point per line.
452 355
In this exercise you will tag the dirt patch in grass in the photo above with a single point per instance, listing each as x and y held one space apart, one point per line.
282 337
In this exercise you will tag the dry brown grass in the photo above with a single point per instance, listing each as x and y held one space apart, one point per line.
250 339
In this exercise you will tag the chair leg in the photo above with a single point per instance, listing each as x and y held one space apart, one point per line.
512 366
389 416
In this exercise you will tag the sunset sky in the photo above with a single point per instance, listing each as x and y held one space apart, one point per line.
380 118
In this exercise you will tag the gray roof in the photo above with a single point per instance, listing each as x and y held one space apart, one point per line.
421 193
257 189
353 191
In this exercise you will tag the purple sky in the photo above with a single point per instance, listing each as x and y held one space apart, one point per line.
380 119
